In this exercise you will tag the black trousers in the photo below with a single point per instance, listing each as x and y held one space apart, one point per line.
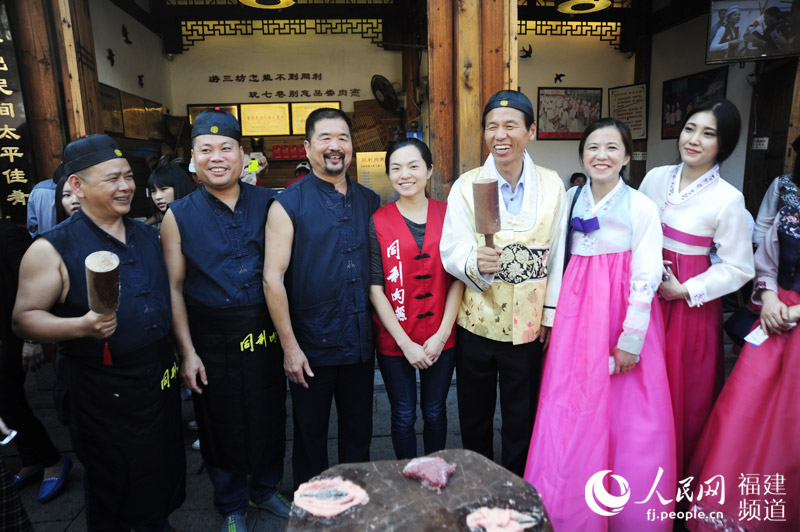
351 386
33 442
479 361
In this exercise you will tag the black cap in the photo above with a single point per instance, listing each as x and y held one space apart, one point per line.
217 122
88 151
513 99
59 173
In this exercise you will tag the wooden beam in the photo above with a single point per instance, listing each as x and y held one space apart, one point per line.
440 83
468 84
78 67
132 9
493 57
69 70
530 11
511 46
87 63
39 86
337 11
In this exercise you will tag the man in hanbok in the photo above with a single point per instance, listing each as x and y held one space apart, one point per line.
509 305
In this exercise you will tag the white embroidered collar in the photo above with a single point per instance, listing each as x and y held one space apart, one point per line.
589 203
676 196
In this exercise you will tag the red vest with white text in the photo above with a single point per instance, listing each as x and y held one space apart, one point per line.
415 283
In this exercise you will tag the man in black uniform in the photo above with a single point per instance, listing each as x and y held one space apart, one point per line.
124 400
213 243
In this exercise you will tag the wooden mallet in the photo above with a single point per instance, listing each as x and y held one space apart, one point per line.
487 209
102 287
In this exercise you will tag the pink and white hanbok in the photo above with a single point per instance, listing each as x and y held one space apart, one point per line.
590 421
709 211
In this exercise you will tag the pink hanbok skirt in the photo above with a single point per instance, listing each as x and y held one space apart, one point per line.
752 439
695 357
589 421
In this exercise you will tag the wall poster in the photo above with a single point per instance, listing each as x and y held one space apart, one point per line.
300 112
563 114
265 119
681 95
629 105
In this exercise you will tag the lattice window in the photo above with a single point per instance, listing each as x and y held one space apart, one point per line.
607 31
193 31
368 29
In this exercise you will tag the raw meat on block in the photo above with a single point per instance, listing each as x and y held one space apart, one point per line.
329 497
434 472
500 520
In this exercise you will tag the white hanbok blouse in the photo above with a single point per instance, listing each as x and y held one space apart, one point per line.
628 221
709 211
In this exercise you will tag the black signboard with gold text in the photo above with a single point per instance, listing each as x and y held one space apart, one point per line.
16 160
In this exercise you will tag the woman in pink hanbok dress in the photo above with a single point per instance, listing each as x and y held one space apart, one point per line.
604 407
697 209
752 438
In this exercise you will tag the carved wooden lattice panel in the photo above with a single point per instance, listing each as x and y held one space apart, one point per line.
193 31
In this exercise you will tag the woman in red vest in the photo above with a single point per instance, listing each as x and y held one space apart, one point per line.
415 301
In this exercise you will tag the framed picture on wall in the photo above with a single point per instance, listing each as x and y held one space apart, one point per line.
300 112
563 113
196 108
134 116
155 123
629 105
111 109
681 95
265 119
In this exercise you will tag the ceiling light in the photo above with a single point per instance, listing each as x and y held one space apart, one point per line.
578 7
268 4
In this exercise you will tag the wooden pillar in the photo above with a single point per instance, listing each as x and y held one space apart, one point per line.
493 59
78 67
493 71
510 46
483 62
38 76
468 85
440 83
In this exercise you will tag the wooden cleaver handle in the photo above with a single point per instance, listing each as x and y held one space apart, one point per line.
102 281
